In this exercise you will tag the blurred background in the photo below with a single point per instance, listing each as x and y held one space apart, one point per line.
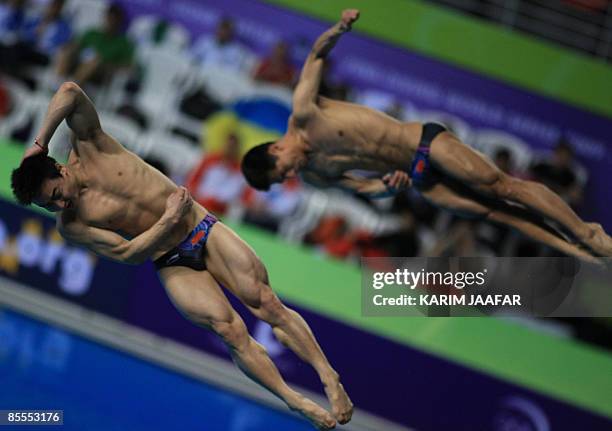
190 86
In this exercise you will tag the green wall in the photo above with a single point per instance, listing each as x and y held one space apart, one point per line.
561 368
511 57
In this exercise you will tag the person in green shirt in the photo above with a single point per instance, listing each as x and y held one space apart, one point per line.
99 52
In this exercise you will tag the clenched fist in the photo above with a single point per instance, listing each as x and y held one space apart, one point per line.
349 16
178 204
398 180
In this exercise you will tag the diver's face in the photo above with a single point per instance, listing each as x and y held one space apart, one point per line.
286 162
57 194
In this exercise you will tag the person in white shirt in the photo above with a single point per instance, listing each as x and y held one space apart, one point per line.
222 50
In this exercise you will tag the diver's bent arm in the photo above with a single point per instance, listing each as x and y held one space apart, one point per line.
73 105
113 246
141 247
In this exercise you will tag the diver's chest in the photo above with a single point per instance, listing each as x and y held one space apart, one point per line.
104 210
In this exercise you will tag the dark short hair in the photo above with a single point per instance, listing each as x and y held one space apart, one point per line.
257 164
28 178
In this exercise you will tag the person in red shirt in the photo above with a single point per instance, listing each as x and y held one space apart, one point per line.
277 68
217 181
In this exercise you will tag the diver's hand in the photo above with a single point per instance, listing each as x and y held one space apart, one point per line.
349 16
178 205
397 181
35 149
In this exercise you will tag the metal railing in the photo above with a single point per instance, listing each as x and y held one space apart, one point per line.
583 25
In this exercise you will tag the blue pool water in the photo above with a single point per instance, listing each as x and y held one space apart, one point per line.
43 367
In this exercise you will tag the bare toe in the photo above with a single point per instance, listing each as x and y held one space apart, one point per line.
317 415
342 407
600 242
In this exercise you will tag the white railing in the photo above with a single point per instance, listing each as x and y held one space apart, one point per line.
584 25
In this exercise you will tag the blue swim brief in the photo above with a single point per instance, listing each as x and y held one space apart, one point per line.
424 175
190 252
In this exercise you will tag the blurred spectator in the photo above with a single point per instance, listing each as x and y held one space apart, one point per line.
332 236
368 245
36 41
217 181
404 242
158 31
221 50
98 53
268 209
197 103
276 68
47 32
12 17
559 173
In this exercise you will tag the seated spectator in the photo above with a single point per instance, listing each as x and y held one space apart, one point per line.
46 33
268 209
221 50
369 245
217 181
157 31
559 173
12 17
35 42
333 237
98 53
277 68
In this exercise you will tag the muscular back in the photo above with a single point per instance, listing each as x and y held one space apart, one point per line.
343 136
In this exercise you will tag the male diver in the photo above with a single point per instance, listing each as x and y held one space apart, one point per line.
327 141
109 200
